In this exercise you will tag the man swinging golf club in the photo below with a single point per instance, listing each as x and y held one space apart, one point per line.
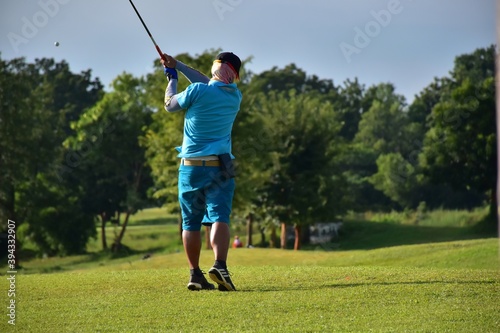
206 175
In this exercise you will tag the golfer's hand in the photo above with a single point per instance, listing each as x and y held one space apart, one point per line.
170 62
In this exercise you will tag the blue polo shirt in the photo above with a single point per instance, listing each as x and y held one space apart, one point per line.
211 110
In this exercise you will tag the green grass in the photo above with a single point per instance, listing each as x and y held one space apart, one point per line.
143 238
153 216
278 299
384 274
383 290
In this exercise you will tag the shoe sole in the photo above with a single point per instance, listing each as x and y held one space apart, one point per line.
216 276
194 286
197 287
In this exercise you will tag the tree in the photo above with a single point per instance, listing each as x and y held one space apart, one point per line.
351 104
112 166
57 222
251 140
304 184
358 163
460 145
397 179
381 130
382 126
36 102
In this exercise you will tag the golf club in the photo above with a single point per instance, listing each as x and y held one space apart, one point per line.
149 33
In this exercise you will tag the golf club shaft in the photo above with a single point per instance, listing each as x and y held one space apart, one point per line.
147 30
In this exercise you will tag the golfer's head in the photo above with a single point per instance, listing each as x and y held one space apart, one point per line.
226 67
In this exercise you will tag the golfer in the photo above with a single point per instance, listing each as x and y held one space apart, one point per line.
206 175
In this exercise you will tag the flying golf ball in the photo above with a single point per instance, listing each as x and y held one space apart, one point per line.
56 43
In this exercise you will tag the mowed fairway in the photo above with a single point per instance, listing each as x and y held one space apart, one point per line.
440 287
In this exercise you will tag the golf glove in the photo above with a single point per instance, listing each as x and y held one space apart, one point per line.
171 73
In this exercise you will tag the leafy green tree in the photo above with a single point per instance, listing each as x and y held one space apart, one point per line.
288 78
57 223
381 130
400 176
251 140
382 126
111 163
396 136
424 102
460 145
358 164
350 103
37 99
304 184
396 178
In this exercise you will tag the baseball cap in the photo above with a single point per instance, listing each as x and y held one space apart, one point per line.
231 59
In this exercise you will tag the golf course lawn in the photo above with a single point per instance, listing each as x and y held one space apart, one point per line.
439 287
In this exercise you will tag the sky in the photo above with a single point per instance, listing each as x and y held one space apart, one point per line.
404 42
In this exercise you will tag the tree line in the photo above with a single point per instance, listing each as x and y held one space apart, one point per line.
75 158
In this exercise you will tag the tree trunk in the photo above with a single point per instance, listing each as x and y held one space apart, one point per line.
283 235
207 237
494 203
273 241
298 237
306 235
104 219
262 231
137 183
118 240
494 214
249 229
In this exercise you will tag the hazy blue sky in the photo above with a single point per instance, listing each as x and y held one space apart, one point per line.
406 42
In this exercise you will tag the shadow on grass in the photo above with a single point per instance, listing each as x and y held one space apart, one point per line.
365 235
354 285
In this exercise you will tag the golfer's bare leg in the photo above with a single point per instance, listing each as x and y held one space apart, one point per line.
192 247
219 239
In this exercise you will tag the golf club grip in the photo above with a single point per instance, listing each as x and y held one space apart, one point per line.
160 53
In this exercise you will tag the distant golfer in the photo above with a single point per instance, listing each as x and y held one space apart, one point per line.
206 183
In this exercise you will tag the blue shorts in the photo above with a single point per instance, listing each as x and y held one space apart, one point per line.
205 196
